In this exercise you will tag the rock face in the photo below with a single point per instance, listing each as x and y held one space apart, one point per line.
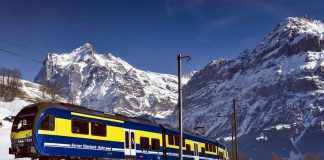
107 83
279 86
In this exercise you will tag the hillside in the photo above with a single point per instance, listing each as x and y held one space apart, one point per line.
30 94
279 86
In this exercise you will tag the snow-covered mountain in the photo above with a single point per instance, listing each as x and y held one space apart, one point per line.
279 86
189 75
107 83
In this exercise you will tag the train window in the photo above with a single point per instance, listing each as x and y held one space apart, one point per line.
170 139
155 144
214 148
203 153
127 139
24 120
132 140
144 141
48 123
98 129
183 142
176 140
210 148
221 155
188 149
206 146
80 126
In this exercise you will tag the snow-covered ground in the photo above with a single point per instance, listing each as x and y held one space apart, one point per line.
31 94
5 142
8 109
12 108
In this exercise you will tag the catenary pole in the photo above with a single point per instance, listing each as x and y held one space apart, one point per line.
233 150
180 103
235 128
180 106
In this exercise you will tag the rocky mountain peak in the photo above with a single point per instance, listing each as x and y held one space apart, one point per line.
87 47
107 83
292 36
278 83
83 53
303 24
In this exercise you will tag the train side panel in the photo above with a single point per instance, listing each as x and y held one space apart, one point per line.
62 142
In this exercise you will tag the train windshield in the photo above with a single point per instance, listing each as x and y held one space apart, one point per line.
24 119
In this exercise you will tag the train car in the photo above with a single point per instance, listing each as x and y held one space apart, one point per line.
65 131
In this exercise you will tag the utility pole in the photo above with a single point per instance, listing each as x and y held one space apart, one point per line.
233 150
180 102
235 127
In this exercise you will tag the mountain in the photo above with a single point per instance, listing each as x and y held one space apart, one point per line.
107 83
189 75
279 87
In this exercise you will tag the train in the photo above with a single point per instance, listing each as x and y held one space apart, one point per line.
55 131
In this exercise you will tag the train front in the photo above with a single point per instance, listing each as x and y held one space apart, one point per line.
22 133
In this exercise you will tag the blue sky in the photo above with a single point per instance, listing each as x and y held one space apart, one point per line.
204 29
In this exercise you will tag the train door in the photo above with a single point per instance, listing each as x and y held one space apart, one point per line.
196 152
130 144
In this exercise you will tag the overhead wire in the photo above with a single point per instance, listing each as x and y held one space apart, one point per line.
22 46
90 22
19 55
107 29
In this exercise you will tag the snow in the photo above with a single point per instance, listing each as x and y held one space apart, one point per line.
101 81
295 156
31 95
314 60
271 88
5 140
4 113
229 138
279 127
12 108
312 27
261 137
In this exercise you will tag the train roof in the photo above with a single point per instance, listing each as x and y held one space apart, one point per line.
76 108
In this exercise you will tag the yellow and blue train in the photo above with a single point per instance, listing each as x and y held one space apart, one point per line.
65 131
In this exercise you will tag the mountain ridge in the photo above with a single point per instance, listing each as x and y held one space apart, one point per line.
278 83
97 80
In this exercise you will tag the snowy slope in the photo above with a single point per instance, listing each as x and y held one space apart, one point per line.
30 94
279 86
107 83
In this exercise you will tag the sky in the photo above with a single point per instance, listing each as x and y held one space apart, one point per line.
148 34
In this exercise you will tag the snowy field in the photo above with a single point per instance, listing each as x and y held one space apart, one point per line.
9 108
5 142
